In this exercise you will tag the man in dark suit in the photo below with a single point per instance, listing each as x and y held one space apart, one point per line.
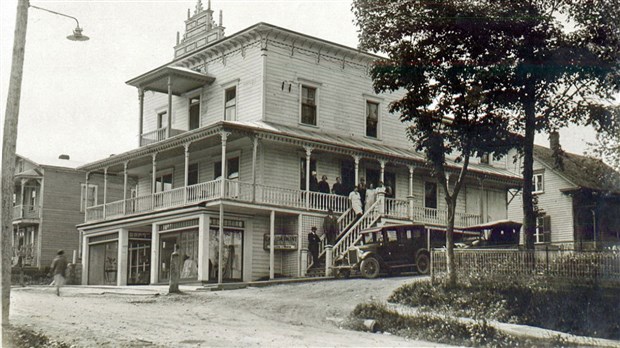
313 246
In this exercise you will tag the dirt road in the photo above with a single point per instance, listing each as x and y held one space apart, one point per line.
302 314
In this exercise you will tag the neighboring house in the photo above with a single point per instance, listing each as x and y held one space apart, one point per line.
578 199
233 127
49 201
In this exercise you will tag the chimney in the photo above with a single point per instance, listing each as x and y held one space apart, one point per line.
554 141
64 157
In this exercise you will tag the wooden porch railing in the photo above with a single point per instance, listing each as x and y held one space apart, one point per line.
25 212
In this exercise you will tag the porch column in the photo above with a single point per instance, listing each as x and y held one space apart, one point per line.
410 194
125 165
203 248
105 190
224 136
169 115
382 174
154 254
300 244
141 115
123 246
356 159
23 198
254 155
308 157
272 236
86 197
153 180
220 247
186 180
85 259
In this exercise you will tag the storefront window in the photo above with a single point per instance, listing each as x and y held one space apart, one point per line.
186 243
232 258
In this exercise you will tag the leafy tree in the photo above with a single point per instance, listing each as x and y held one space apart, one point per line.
607 145
554 62
449 88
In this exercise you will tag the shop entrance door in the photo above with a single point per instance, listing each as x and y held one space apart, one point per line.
139 258
232 258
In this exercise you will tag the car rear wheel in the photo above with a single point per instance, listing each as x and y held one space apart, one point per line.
369 268
423 263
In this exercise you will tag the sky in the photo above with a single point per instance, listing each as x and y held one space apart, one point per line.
74 98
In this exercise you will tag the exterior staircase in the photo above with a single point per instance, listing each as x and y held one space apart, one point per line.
350 233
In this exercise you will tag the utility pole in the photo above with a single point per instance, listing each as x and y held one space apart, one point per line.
9 140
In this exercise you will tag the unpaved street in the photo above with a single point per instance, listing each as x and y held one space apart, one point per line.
302 314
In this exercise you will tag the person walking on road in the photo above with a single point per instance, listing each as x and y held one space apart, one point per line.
58 268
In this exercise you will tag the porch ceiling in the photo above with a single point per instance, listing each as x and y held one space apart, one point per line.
183 80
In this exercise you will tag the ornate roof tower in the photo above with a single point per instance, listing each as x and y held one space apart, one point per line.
200 30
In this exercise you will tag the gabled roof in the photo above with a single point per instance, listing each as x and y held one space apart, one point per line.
582 171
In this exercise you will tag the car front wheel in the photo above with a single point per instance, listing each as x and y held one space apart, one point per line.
369 268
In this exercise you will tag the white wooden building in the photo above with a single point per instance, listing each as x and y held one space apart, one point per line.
266 106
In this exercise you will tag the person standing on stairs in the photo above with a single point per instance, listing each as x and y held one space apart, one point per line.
330 227
313 246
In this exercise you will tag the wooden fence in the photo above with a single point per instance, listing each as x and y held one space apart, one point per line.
554 264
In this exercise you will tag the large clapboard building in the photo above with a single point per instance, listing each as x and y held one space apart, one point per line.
230 132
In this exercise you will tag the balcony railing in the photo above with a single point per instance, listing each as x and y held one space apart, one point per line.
25 212
157 135
268 195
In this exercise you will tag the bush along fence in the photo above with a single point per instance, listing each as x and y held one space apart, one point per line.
602 266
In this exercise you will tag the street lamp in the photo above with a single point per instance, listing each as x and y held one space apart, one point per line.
77 32
9 139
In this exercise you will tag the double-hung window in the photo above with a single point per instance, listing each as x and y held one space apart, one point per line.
92 196
308 105
430 195
163 181
230 104
537 183
372 119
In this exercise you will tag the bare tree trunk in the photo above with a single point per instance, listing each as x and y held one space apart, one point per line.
450 242
8 155
529 215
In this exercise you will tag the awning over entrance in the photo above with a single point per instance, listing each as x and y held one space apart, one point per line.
182 80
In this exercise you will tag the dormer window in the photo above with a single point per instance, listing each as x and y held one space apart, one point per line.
308 105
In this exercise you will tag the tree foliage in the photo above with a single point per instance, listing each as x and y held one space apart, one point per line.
543 64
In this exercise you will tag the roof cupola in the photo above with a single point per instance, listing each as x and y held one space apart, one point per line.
200 30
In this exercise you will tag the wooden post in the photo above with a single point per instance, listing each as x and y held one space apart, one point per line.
169 125
9 139
105 190
125 165
356 159
254 155
86 197
329 256
308 154
141 115
272 229
382 174
153 180
300 244
186 180
175 272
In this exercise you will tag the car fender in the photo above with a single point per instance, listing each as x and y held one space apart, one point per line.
373 254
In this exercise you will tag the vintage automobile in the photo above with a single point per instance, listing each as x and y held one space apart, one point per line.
393 249
496 234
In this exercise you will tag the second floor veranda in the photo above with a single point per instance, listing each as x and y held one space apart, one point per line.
266 196
262 180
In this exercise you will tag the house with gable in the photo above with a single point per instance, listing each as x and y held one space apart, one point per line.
49 200
578 199
231 130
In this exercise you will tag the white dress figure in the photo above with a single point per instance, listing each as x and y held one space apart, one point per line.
356 202
371 196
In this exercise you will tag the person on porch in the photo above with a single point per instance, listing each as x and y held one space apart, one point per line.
324 185
361 189
371 196
314 182
338 188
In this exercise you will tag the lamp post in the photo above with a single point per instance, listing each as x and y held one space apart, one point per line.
9 139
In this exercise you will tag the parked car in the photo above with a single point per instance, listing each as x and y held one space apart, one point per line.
392 249
496 234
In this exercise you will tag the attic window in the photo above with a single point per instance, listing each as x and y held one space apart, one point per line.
537 183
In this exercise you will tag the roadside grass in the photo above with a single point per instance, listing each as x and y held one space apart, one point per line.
22 337
444 330
579 309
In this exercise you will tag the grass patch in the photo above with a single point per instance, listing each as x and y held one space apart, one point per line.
21 337
442 329
579 310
